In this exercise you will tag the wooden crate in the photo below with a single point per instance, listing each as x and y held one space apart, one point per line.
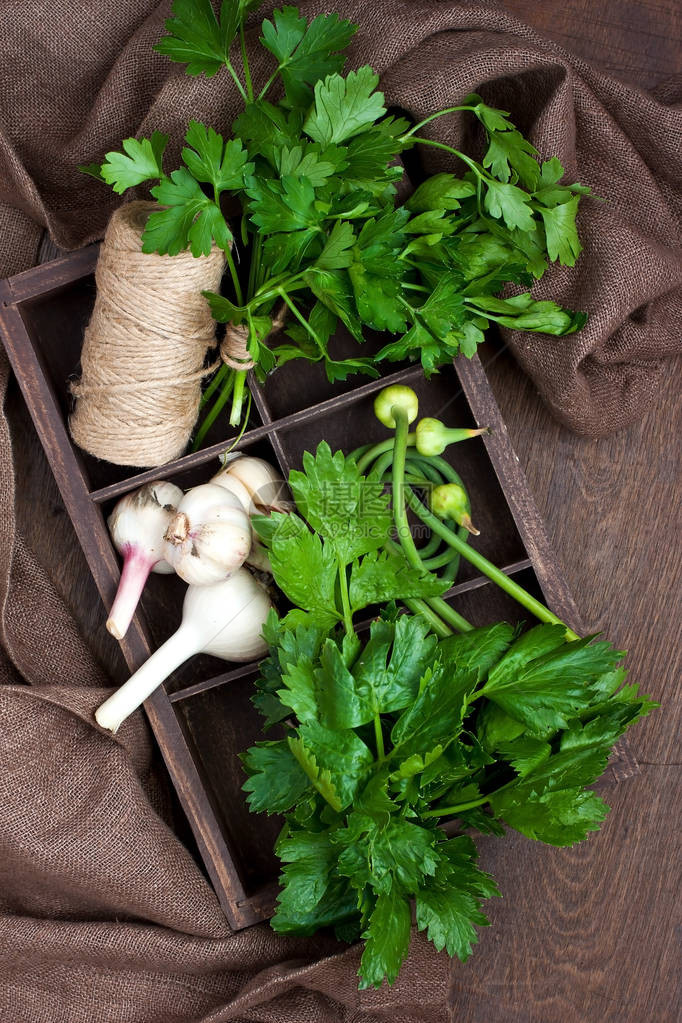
202 718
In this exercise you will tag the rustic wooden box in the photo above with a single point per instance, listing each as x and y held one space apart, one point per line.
203 717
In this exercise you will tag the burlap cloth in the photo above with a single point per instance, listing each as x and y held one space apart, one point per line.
105 915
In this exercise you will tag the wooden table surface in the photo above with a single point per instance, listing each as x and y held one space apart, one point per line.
589 933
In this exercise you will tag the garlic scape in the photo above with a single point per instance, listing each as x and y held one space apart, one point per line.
137 526
209 537
224 620
266 489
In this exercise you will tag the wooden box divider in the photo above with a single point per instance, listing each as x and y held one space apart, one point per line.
192 728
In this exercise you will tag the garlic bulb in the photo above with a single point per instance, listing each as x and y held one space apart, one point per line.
137 526
209 537
266 488
224 620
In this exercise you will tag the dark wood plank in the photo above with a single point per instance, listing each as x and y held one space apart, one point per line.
588 933
637 40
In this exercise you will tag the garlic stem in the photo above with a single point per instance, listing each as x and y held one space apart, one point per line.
137 564
225 620
162 663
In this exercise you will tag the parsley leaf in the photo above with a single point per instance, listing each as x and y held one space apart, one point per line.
543 688
523 312
562 235
335 761
141 161
349 510
276 781
509 203
510 152
286 205
449 906
378 578
197 38
304 568
212 160
387 940
306 53
191 219
344 107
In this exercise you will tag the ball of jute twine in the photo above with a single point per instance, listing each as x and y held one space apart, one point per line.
144 349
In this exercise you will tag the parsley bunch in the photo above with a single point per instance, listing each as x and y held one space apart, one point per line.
322 234
389 730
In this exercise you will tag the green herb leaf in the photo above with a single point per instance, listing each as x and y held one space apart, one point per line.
276 781
344 107
378 578
212 160
440 192
306 54
304 569
288 205
349 510
508 203
436 715
510 152
196 37
336 762
522 312
141 161
543 688
563 243
560 818
192 220
448 907
387 940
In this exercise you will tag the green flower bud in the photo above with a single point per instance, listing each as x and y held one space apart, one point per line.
397 395
432 436
450 501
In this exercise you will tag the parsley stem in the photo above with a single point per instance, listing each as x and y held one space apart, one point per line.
238 397
235 277
269 82
475 167
432 117
213 412
301 318
450 811
256 249
245 62
269 289
218 378
235 78
484 566
379 735
345 598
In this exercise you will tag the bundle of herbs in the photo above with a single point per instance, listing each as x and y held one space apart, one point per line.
313 164
391 729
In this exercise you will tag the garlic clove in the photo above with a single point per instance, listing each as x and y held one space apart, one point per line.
235 486
225 620
209 537
137 526
267 489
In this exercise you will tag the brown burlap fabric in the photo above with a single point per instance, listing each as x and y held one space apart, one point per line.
105 916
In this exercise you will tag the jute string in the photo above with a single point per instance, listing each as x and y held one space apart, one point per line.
144 349
233 348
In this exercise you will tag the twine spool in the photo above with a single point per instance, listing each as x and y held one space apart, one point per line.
144 349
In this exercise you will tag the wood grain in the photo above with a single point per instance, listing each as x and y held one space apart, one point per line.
639 41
